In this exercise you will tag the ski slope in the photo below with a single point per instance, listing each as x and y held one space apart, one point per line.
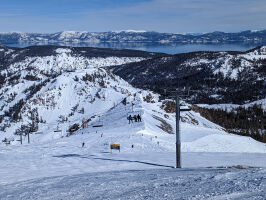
54 154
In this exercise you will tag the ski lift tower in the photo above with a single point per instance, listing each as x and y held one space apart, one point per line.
176 95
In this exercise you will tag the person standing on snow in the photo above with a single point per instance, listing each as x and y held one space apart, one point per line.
139 118
135 118
129 119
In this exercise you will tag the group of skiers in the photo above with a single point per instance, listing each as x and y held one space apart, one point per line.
136 118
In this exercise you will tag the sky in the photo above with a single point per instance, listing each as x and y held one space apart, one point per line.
175 16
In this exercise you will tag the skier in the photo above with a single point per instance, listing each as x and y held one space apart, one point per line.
129 119
132 146
135 118
83 144
139 118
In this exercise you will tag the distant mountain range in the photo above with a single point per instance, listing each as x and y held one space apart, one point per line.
250 36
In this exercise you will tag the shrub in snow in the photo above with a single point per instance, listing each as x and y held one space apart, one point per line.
73 128
149 98
168 106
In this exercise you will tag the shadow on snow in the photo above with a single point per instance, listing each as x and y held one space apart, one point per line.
110 159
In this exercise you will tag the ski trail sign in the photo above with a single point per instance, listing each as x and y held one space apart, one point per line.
115 146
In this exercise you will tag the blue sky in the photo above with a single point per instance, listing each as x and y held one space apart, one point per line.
176 16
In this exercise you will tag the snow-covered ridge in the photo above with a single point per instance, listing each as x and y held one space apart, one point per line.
227 77
223 63
64 58
130 31
64 62
62 50
35 81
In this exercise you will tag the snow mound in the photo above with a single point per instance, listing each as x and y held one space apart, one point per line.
61 50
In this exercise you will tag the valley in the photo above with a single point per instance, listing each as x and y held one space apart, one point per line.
69 104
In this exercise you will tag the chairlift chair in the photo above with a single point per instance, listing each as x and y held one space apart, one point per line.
98 123
38 133
133 113
8 141
57 129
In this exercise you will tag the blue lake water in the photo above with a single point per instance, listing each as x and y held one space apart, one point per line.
156 47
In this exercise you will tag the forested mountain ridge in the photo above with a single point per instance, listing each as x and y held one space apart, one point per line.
215 77
10 55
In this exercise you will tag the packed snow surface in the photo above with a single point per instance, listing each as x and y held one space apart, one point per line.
53 154
145 184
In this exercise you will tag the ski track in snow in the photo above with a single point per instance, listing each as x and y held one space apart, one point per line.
147 184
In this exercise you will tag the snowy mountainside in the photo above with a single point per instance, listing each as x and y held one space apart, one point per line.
53 87
73 108
219 77
10 56
60 93
144 145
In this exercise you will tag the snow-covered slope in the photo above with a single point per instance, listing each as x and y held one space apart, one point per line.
57 102
58 86
53 92
66 102
145 184
50 153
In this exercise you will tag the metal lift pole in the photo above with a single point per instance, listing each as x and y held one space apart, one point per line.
178 142
21 137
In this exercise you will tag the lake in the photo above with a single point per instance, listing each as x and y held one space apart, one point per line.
170 48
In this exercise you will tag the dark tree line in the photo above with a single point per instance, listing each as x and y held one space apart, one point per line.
14 111
249 121
33 89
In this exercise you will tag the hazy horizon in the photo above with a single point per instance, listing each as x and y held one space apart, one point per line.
128 30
